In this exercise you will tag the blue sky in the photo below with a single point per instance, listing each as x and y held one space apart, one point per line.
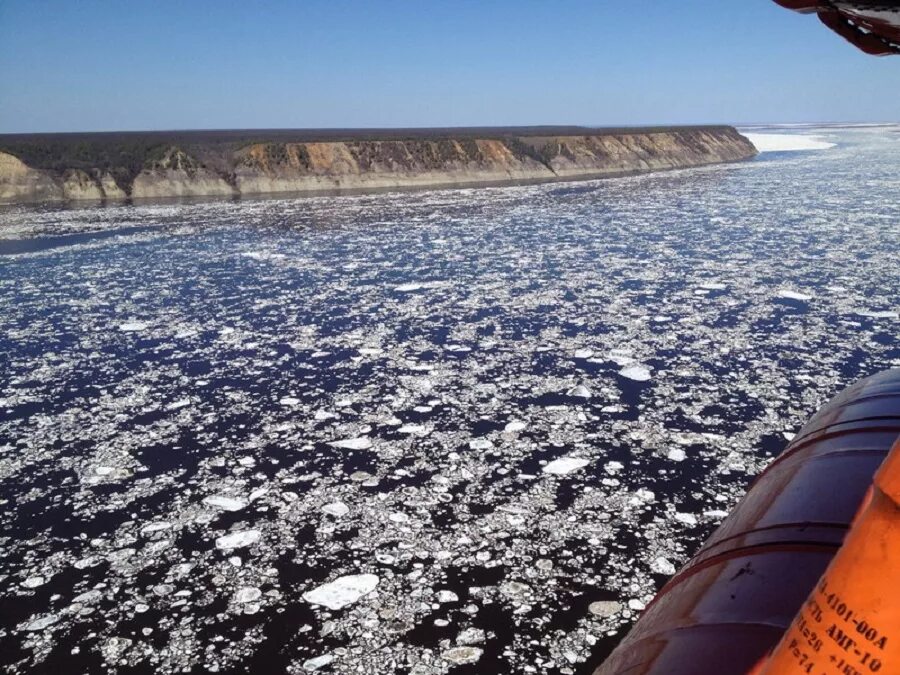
137 64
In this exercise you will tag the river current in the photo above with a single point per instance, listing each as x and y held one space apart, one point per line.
464 431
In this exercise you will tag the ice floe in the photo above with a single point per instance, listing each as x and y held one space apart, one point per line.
343 591
239 539
225 502
787 142
564 465
361 443
794 295
637 373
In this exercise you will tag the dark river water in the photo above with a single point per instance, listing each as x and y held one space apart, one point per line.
458 432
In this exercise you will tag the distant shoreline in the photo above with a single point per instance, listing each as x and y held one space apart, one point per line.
141 166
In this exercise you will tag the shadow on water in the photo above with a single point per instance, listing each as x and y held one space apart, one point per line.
38 244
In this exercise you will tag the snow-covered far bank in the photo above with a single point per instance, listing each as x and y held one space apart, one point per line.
787 142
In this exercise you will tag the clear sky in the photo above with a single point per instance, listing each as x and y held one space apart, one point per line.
70 65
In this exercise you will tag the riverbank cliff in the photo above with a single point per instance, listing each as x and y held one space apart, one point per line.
158 165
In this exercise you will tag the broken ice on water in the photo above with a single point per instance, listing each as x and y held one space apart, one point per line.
432 433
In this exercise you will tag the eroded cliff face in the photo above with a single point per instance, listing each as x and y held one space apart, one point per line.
296 167
178 174
604 155
79 185
19 183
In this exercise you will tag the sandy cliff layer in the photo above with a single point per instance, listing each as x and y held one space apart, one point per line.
247 168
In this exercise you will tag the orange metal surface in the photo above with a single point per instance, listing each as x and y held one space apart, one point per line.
732 603
850 624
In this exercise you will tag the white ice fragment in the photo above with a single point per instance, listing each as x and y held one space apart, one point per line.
642 496
793 295
408 288
225 503
877 315
621 357
361 443
114 648
638 373
604 608
662 566
470 636
42 623
247 594
447 596
417 429
342 591
34 582
713 286
564 465
336 509
289 401
513 427
314 664
676 455
179 404
636 604
88 597
686 518
613 468
238 539
158 526
579 391
463 655
132 326
370 351
584 353
480 444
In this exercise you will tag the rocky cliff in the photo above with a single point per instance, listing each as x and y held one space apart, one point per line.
153 166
